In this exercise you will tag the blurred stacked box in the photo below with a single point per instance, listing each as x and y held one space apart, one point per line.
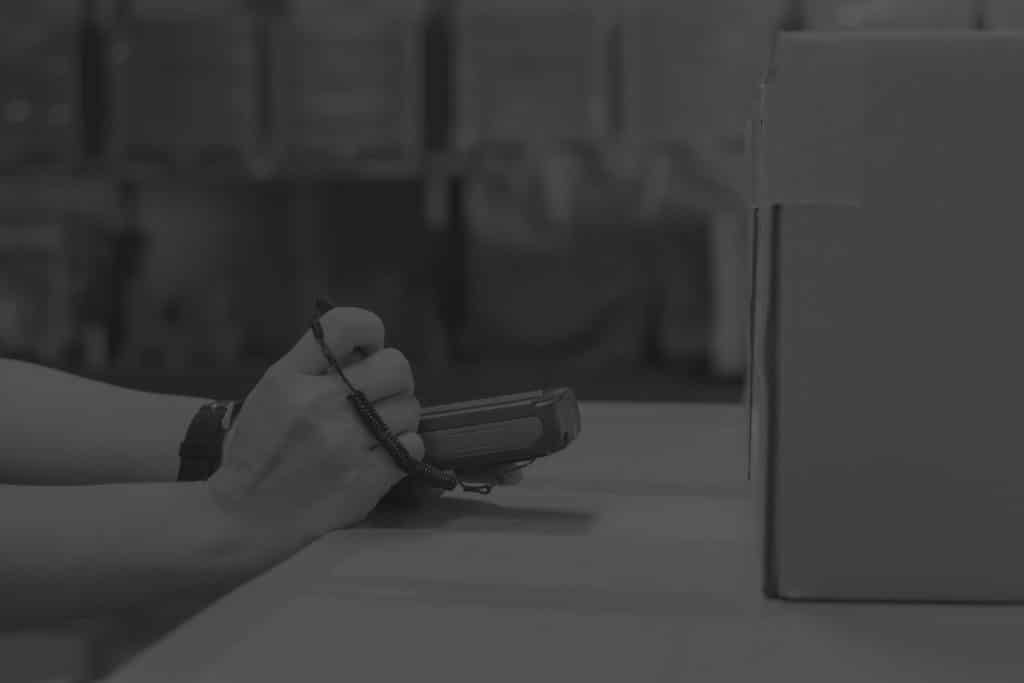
187 8
1004 14
347 84
530 72
184 91
35 296
40 87
54 249
550 278
824 15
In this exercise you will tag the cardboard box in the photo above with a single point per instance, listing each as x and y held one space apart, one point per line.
1004 14
689 86
690 70
887 340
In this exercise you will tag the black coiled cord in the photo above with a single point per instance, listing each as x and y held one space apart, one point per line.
435 476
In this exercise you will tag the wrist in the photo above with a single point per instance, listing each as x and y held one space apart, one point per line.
235 545
202 447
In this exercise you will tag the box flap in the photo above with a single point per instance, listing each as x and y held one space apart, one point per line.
811 160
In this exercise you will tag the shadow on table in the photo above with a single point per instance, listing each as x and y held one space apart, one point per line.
463 514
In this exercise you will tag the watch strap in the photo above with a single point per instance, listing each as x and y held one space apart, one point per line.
201 450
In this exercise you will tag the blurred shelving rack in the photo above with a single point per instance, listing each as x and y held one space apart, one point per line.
438 163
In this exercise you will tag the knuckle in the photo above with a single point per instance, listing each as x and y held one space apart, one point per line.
415 407
412 410
391 358
397 364
304 426
402 414
346 317
341 316
370 318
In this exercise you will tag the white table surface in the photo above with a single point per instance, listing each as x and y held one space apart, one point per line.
630 556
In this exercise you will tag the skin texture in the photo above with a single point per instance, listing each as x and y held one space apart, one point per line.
92 519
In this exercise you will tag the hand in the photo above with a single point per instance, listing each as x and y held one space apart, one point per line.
298 460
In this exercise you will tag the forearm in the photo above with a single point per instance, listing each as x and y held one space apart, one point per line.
56 428
80 551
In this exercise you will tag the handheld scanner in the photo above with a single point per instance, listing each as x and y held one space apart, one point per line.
500 430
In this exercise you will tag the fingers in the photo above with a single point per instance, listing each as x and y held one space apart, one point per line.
345 330
402 416
413 444
410 492
384 374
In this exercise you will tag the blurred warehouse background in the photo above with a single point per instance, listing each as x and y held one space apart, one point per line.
528 195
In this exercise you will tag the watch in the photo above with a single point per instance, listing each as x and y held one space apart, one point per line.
202 449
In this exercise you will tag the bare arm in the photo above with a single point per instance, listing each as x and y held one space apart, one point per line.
298 463
84 550
56 428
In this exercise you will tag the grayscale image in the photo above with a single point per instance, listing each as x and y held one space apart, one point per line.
511 340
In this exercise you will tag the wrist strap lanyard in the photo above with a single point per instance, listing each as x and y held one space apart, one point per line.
371 419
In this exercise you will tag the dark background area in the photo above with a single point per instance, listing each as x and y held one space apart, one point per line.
528 195
474 173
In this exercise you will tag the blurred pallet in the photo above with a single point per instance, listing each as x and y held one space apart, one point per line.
532 74
348 87
1003 14
40 89
36 288
184 96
